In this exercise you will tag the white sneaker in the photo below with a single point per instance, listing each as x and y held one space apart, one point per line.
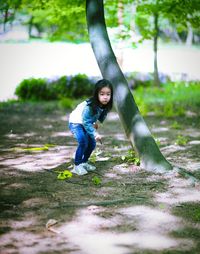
79 169
89 167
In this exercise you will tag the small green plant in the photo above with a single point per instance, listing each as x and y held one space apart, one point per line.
93 158
96 180
131 158
64 175
175 125
181 140
95 155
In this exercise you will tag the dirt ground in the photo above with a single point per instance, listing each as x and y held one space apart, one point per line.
118 209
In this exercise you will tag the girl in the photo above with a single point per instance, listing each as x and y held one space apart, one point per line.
82 123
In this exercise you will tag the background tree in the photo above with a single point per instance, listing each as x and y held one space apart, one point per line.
186 16
151 12
181 13
58 19
8 10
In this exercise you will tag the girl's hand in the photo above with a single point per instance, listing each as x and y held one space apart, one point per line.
96 126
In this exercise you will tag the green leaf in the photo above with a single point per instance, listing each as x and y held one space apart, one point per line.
123 157
64 175
96 180
181 140
162 206
31 149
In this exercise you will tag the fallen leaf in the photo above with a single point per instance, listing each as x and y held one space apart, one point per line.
50 223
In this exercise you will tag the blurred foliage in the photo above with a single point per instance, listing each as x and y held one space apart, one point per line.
172 99
175 125
33 89
65 19
181 140
178 11
64 87
56 19
66 103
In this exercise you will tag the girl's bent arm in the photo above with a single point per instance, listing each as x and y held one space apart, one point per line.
88 122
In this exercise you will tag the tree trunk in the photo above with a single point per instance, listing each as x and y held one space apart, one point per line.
175 35
134 125
30 26
155 49
120 11
132 22
5 19
189 38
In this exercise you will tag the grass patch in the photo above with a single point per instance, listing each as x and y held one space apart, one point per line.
172 99
188 233
189 211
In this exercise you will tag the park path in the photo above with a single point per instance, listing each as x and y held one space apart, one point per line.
130 211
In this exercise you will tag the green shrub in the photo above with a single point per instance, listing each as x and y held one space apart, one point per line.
80 85
58 88
64 87
32 89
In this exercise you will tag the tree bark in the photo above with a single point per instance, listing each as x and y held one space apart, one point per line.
120 11
134 125
155 49
5 19
30 26
189 38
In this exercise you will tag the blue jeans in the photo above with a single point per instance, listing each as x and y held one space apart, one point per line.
86 144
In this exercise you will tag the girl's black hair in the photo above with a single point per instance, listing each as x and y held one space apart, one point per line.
94 100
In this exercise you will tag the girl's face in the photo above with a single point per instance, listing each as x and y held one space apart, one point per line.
104 95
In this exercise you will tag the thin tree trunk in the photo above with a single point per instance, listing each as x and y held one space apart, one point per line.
155 49
5 19
132 22
175 35
30 26
134 125
189 38
120 11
